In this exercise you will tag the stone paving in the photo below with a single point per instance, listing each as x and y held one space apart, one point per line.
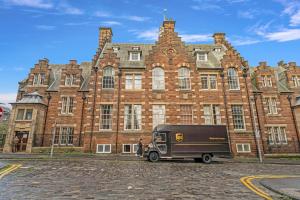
113 179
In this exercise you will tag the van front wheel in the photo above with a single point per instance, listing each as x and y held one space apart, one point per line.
206 158
153 156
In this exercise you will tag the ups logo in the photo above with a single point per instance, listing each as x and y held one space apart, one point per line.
179 137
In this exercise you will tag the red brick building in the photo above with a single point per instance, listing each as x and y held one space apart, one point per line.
106 105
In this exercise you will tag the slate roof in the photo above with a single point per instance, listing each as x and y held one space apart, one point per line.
31 98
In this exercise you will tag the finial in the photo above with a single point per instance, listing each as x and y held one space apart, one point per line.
165 14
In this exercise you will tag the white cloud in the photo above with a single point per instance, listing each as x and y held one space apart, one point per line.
241 41
102 14
111 23
68 9
148 35
31 3
196 37
7 98
284 35
45 27
295 19
206 7
248 14
136 18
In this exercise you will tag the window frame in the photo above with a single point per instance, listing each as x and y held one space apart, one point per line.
184 116
233 79
280 133
158 115
67 107
108 78
123 148
104 145
234 115
214 118
134 81
25 112
70 79
132 117
134 52
158 78
184 76
204 54
209 81
243 147
39 79
65 132
110 119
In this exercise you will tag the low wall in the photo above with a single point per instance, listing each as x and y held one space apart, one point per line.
46 150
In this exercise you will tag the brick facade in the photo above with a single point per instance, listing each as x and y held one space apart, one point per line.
170 55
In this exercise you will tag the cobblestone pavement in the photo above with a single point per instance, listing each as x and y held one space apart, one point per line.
113 179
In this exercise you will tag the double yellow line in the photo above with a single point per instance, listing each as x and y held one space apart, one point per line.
9 170
247 182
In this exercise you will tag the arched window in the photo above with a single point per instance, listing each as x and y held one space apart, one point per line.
184 78
158 79
108 78
233 79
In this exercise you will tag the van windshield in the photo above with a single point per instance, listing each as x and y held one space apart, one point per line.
159 137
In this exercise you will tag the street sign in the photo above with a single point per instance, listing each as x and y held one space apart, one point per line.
1 112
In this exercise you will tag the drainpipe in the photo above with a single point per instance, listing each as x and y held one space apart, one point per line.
81 120
118 107
254 127
258 120
226 111
94 105
46 115
289 97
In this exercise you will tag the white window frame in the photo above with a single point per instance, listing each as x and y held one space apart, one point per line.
243 117
133 78
233 79
39 79
243 147
104 145
158 115
108 72
296 80
59 134
184 115
70 79
280 132
158 78
131 57
202 56
67 106
184 78
211 118
24 114
209 81
132 116
267 80
123 148
135 147
110 115
271 103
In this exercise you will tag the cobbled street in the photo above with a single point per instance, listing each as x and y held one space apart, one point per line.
114 179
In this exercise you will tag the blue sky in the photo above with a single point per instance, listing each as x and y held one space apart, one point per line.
267 30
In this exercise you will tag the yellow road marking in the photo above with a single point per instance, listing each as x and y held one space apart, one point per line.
9 170
247 182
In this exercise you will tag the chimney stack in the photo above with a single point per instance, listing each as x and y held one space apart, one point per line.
105 35
169 25
219 38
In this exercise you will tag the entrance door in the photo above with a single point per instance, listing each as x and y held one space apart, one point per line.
20 141
162 143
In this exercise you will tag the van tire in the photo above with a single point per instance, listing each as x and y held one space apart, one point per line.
206 158
153 156
198 160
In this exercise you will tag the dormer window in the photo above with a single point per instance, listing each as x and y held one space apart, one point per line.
136 48
39 79
116 49
202 56
267 80
218 49
134 56
70 79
